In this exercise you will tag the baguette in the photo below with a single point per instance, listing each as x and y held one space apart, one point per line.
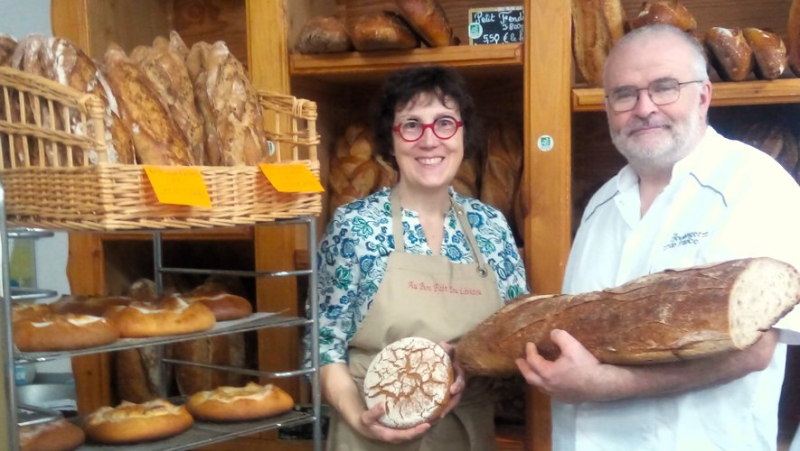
502 169
663 317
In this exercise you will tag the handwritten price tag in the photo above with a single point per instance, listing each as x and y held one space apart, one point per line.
178 185
291 178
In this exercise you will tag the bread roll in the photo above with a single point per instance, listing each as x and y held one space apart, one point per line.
768 51
353 170
502 169
663 317
58 435
427 18
223 350
597 25
383 31
167 72
156 137
54 332
324 35
172 317
226 404
412 377
229 105
793 37
668 12
7 46
135 423
225 306
729 53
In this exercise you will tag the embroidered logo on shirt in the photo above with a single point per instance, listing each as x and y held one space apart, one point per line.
684 239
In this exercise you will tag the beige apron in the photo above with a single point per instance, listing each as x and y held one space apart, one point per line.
430 297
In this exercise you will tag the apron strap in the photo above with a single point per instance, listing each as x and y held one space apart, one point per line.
461 215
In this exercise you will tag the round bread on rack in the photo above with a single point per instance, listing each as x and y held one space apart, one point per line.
58 435
54 332
89 305
135 423
227 404
173 316
226 306
412 376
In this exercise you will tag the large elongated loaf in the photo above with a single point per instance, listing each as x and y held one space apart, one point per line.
597 25
502 169
156 137
664 317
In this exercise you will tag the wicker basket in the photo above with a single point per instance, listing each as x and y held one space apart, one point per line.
57 176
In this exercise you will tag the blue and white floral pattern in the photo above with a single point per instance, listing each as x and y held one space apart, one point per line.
354 252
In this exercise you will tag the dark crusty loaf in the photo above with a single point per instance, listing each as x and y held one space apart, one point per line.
382 31
669 12
776 139
668 316
597 25
224 350
7 46
327 34
428 19
729 53
793 37
166 69
354 172
769 53
156 138
229 105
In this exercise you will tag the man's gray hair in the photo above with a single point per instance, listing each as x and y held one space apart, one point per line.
698 58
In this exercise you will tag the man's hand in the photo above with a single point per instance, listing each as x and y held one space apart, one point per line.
576 376
370 427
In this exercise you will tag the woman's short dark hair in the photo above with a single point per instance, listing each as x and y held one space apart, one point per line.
404 85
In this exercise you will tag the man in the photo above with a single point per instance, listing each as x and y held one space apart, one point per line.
687 197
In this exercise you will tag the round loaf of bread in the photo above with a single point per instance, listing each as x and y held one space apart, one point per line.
412 377
53 332
173 317
59 435
134 423
226 404
225 306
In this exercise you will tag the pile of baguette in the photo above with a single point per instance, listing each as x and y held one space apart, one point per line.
412 22
735 54
494 177
166 104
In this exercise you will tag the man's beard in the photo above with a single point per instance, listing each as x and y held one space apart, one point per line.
663 154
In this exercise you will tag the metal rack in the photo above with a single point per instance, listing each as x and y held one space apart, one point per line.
11 414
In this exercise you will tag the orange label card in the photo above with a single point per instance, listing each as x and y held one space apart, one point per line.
292 178
179 185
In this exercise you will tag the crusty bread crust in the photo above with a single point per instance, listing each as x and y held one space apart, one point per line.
428 19
227 404
172 317
134 423
729 53
769 53
59 435
54 332
382 31
663 317
597 26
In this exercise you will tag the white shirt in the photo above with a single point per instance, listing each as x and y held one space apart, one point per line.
726 200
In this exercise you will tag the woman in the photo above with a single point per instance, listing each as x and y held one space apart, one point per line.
379 253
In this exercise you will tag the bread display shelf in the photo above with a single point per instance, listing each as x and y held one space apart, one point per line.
57 172
31 294
204 433
754 92
255 321
344 65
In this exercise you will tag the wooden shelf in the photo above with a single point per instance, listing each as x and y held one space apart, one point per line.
724 94
374 65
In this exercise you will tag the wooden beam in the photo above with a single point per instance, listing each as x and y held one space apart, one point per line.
547 175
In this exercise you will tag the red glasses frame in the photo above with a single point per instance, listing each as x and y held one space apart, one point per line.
396 128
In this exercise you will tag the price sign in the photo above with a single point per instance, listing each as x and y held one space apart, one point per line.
498 25
291 178
178 185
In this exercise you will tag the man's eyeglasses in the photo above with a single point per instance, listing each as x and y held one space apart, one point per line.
443 128
662 92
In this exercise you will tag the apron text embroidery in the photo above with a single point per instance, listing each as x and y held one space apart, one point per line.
442 288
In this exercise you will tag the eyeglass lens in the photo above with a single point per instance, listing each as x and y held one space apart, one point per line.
661 92
444 128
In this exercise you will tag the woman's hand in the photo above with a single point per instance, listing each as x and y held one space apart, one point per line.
370 426
457 387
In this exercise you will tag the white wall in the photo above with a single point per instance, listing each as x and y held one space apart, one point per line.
22 17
